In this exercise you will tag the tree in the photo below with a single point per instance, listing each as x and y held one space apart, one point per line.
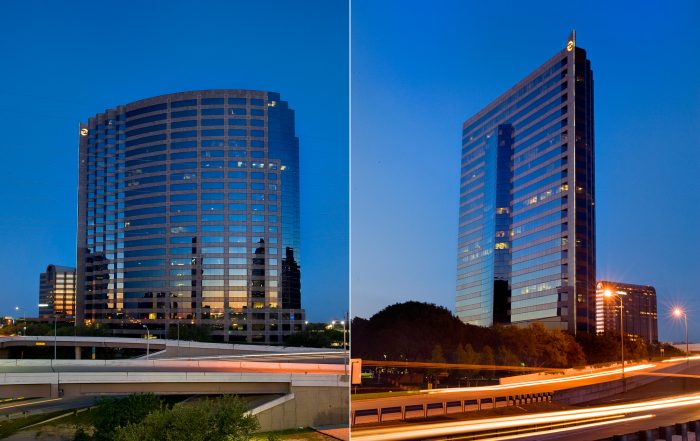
409 331
437 355
323 338
222 419
466 355
81 435
636 349
574 353
488 358
506 357
116 412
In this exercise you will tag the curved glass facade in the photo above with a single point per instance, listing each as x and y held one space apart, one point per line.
189 213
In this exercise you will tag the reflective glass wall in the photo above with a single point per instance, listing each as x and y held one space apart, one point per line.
526 227
189 214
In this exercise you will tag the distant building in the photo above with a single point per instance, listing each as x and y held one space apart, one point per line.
639 306
57 292
526 216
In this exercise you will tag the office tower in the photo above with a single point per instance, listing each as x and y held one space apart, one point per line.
638 305
526 218
188 210
57 292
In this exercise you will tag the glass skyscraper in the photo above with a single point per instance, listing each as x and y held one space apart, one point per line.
189 215
526 218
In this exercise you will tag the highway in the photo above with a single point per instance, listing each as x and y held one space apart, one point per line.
44 405
596 422
532 386
607 419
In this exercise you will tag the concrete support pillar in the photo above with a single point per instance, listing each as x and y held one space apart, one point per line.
645 435
54 390
695 428
77 353
666 433
682 430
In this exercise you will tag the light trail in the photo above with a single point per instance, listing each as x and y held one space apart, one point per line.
422 431
28 403
471 367
677 359
568 429
538 382
267 355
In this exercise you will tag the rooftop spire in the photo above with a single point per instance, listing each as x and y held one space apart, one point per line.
571 41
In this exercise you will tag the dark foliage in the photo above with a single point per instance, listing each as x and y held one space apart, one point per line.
189 332
415 331
324 338
118 412
410 331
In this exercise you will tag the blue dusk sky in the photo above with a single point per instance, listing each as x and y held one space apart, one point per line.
63 62
420 69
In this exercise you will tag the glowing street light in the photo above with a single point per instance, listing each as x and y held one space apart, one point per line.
148 341
345 354
608 294
678 312
24 313
55 319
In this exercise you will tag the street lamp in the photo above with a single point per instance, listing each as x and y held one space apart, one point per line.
345 354
24 314
608 293
55 319
148 341
342 322
679 312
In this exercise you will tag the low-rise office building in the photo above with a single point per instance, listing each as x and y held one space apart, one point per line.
638 306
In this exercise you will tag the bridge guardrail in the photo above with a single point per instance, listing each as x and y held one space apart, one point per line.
445 406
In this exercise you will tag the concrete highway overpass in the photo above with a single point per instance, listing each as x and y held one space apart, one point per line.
300 386
165 348
305 394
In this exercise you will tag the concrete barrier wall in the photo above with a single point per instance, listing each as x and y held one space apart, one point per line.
538 376
80 383
549 375
311 406
156 343
49 365
599 391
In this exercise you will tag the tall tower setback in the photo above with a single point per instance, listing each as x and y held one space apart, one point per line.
189 214
526 218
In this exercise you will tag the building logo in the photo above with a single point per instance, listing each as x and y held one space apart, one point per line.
570 45
83 132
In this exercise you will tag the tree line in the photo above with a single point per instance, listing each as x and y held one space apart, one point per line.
416 331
